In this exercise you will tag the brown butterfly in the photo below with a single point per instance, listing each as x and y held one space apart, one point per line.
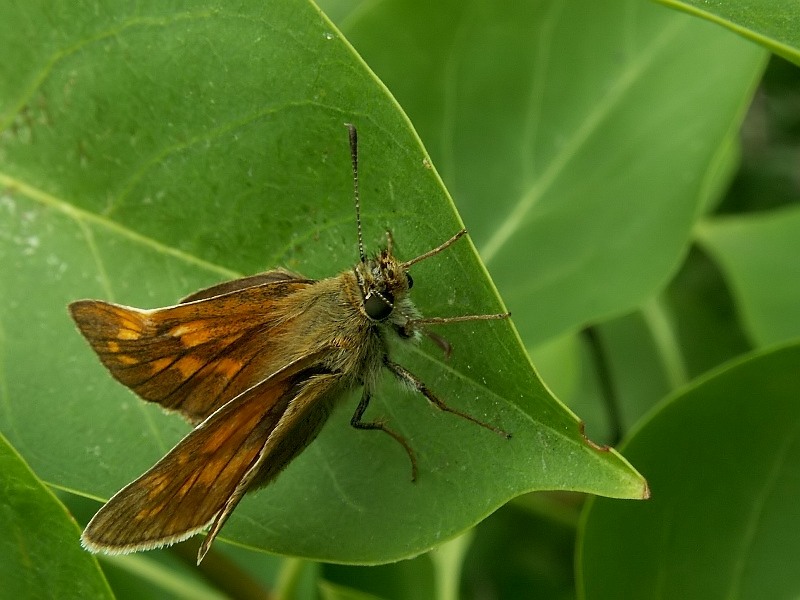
257 364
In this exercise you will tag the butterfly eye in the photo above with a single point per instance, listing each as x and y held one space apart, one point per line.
377 307
409 280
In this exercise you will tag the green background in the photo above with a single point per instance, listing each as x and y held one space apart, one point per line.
628 175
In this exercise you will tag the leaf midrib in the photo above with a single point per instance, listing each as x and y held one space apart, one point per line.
518 212
81 216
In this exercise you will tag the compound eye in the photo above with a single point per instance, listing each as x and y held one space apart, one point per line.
410 280
377 307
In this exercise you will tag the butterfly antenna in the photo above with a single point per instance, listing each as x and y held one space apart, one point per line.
354 158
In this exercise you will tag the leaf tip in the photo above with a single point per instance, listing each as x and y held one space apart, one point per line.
645 490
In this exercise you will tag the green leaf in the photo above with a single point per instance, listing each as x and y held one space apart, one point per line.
413 579
580 139
143 577
448 561
150 150
330 591
525 550
775 25
721 457
635 356
41 554
706 328
758 256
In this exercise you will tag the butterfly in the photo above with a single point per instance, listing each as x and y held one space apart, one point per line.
256 364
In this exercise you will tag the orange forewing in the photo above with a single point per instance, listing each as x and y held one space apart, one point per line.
207 473
192 357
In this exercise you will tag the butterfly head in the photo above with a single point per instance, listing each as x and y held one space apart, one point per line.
383 283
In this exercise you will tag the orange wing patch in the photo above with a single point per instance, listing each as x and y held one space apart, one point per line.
190 485
193 357
192 334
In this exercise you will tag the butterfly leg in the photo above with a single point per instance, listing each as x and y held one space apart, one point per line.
358 423
410 379
443 344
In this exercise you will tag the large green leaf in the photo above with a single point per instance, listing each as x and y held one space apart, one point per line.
722 459
580 139
41 556
150 150
774 24
758 254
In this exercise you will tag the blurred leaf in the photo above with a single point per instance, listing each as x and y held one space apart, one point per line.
145 577
703 316
558 363
212 146
768 174
330 591
721 457
775 24
448 560
298 580
758 254
42 555
519 553
569 367
413 579
614 372
635 358
722 172
580 139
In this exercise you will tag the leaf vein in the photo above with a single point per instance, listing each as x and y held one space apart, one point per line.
79 215
520 210
60 54
215 133
757 512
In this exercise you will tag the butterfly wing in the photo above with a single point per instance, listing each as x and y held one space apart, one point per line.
207 472
233 285
194 357
305 415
